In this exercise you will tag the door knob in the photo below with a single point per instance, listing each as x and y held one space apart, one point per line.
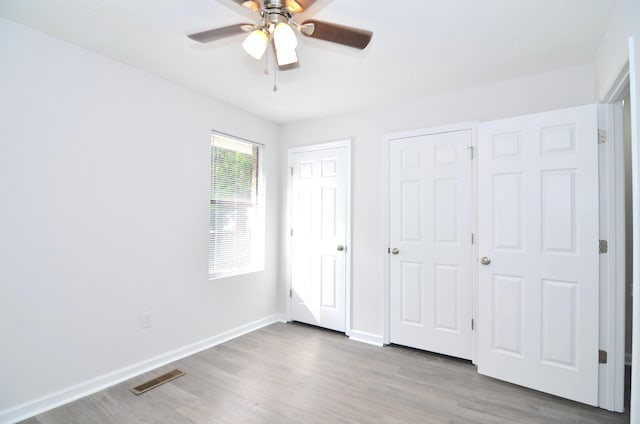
485 260
394 251
340 248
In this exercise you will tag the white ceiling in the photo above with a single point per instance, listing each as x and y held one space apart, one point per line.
419 47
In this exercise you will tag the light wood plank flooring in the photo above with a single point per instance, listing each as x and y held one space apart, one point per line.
293 373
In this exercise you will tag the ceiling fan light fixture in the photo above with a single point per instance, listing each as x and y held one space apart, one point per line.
256 44
284 37
286 56
285 42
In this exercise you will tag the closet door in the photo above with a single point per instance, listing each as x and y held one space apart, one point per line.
431 219
538 248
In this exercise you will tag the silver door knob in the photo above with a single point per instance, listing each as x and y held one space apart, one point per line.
340 248
485 260
394 251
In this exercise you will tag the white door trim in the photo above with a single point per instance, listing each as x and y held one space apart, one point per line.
387 140
612 264
287 230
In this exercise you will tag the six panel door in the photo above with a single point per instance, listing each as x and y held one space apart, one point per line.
431 213
318 216
538 237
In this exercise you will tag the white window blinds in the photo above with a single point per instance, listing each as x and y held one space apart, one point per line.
236 232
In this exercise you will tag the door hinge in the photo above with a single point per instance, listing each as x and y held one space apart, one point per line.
472 324
602 356
290 292
472 238
388 250
291 232
291 170
470 151
602 136
603 246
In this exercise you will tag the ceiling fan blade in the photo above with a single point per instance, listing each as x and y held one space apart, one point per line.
297 6
218 33
249 4
340 34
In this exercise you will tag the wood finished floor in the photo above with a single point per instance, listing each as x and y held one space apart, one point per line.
292 373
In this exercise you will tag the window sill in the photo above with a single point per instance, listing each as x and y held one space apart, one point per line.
235 273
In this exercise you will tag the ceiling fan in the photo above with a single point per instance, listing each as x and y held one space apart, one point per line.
276 25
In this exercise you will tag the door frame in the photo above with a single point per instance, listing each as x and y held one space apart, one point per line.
388 139
346 144
612 276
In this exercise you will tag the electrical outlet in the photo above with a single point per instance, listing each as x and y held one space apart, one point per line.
146 319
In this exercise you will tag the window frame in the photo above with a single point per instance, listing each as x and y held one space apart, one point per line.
257 233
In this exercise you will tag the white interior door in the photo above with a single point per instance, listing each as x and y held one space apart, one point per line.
319 234
538 227
431 220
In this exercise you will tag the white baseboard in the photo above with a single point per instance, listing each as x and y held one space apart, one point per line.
53 400
361 336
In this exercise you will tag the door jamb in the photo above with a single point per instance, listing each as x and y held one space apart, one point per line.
386 144
612 281
346 144
634 79
612 264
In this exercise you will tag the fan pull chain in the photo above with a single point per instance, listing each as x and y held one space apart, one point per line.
266 63
275 75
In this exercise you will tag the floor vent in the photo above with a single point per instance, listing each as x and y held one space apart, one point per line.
152 384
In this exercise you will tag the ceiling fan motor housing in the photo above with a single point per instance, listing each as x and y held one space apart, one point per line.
274 4
274 12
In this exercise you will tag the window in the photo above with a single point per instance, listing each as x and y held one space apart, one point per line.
236 230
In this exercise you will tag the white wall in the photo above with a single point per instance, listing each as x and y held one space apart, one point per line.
104 179
563 88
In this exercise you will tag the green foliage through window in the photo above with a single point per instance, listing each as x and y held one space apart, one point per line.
234 175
